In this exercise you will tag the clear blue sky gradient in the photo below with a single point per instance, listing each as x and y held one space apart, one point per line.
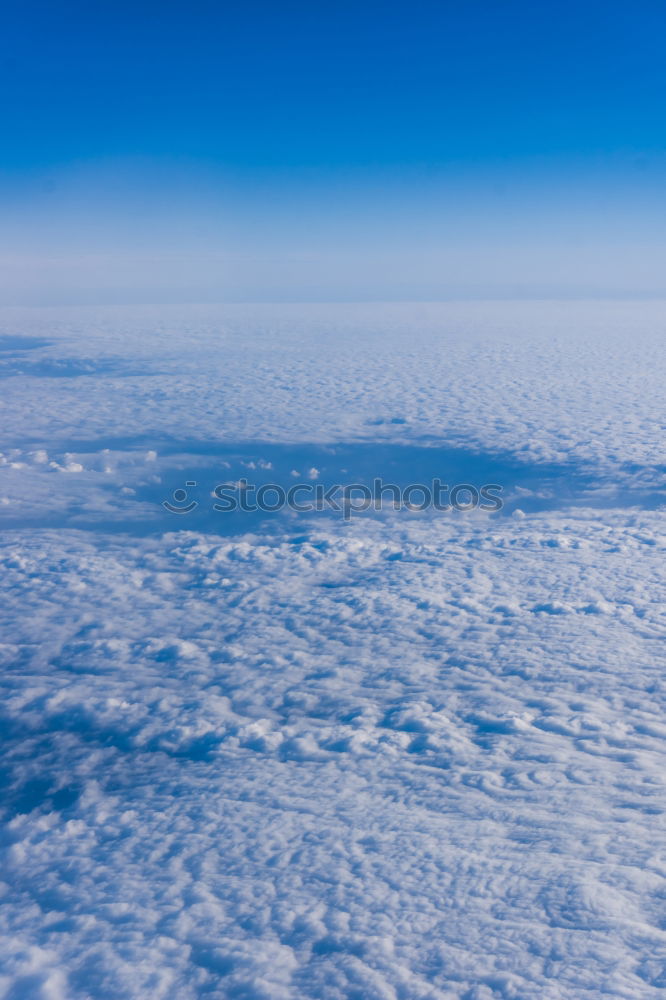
255 150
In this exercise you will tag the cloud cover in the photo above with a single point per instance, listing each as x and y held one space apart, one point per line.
414 756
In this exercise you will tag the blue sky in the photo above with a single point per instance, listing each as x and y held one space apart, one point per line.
173 152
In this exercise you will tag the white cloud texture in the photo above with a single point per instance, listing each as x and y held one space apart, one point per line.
414 756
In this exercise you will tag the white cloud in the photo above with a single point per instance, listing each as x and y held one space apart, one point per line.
397 757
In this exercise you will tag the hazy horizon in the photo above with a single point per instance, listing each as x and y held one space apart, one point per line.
265 154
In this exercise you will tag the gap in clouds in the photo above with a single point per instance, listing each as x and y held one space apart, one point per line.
122 484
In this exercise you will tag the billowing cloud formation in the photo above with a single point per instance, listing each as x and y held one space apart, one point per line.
417 755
